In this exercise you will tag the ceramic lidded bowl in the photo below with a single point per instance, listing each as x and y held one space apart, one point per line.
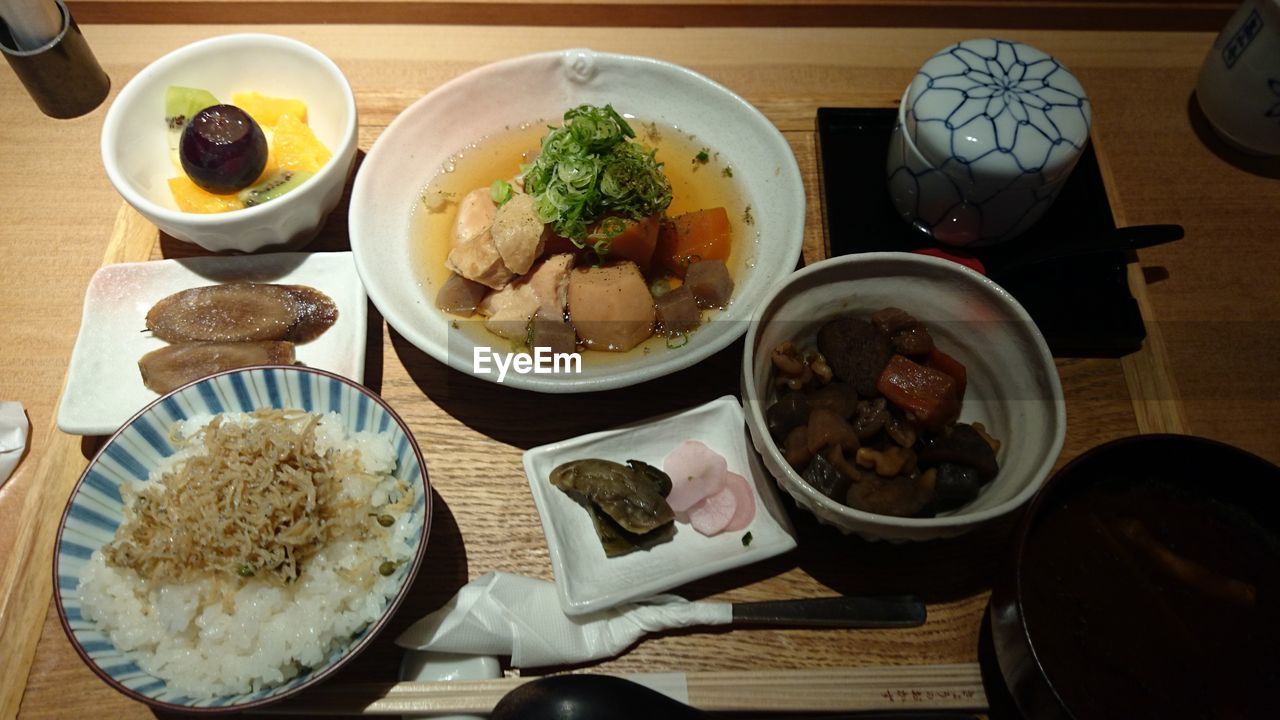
135 149
1013 386
987 134
425 140
96 510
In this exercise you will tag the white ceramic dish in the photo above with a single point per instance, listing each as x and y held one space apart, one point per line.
104 387
495 98
1013 386
136 153
586 580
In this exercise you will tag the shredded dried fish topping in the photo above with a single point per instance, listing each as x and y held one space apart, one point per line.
257 503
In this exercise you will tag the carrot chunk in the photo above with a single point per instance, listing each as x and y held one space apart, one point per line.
926 394
635 242
944 363
693 236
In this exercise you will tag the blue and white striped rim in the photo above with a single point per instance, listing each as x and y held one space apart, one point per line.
95 510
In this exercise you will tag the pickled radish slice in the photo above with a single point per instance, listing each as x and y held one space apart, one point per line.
731 509
696 471
746 510
713 515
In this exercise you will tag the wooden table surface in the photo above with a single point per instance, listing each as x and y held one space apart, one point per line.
1209 367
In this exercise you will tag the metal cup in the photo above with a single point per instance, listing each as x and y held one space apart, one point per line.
62 76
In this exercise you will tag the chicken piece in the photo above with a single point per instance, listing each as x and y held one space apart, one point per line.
508 311
550 282
610 306
476 211
544 290
519 233
478 260
173 366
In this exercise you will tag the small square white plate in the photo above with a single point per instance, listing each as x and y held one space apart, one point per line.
587 581
104 387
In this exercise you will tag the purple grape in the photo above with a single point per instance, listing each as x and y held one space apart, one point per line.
222 149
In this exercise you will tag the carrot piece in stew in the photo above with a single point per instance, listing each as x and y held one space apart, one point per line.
927 394
635 242
693 236
943 362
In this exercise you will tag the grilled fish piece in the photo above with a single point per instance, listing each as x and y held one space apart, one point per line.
243 311
173 366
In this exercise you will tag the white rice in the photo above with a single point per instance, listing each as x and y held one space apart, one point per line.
265 634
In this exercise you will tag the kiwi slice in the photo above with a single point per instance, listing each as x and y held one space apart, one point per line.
180 105
273 186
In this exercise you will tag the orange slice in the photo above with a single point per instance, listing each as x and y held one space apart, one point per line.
297 147
194 199
267 110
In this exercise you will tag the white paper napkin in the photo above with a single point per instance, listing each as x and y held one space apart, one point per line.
502 614
13 436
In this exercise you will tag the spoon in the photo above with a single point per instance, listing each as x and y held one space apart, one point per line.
604 697
1134 237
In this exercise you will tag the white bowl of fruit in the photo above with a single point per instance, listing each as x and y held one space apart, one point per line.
217 152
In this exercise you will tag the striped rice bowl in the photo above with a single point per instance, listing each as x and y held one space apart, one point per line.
197 641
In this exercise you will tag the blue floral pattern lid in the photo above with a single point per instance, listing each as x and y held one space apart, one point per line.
987 110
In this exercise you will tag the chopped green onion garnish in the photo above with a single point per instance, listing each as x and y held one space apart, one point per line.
589 169
500 192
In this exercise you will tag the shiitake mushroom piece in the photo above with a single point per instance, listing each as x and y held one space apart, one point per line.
856 351
908 335
959 445
788 412
956 485
836 396
900 496
826 478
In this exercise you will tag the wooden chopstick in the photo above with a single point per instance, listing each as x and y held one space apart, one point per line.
849 689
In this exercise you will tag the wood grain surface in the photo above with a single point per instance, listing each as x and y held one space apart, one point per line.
1211 302
1204 15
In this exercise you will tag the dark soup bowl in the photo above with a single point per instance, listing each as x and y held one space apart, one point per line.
1145 583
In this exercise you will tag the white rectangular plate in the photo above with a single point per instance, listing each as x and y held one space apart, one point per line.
586 580
104 387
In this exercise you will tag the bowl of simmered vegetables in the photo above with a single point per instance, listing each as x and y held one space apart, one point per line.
576 221
901 397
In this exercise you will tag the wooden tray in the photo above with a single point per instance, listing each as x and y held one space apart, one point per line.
472 435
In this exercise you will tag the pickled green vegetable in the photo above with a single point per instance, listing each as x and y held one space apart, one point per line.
626 504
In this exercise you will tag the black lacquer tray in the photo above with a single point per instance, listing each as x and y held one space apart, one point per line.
1082 305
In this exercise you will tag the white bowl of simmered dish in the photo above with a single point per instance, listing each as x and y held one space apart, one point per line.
901 397
576 221
241 539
